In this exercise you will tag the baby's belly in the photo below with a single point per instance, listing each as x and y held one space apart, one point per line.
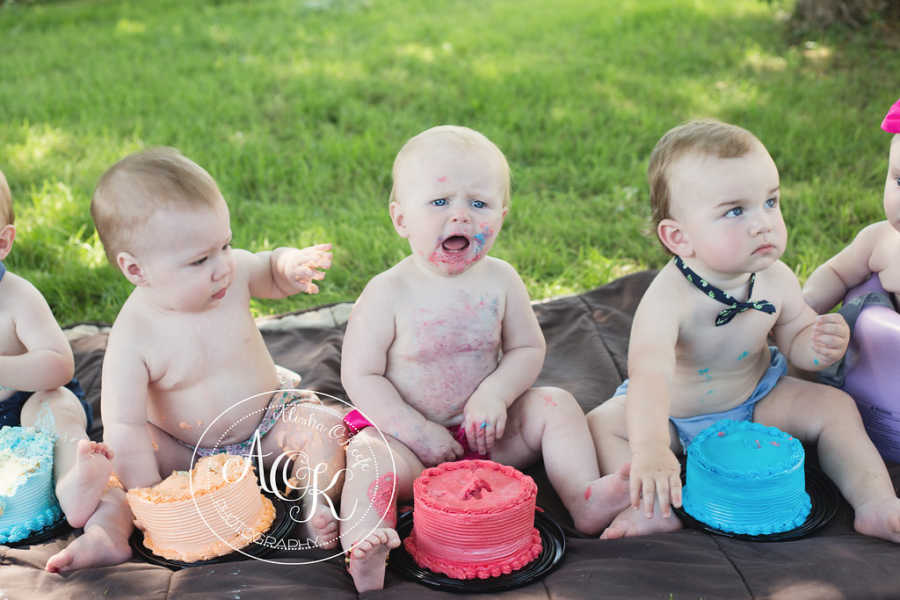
710 390
440 389
210 414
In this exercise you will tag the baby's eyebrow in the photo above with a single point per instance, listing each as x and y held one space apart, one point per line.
775 189
728 203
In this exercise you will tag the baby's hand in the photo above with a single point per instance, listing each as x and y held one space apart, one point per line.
830 337
303 266
436 445
655 475
484 422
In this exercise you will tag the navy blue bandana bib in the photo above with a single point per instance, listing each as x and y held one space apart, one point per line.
734 306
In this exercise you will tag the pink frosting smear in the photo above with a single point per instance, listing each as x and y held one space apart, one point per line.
891 122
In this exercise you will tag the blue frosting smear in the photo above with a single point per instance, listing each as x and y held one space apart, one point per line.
746 478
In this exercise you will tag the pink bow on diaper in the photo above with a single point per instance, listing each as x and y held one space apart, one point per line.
891 122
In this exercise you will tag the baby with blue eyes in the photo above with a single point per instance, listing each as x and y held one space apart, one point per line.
874 250
699 347
442 350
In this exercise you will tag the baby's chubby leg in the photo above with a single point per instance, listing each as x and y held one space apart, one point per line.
829 417
379 471
81 467
311 435
549 422
105 537
609 430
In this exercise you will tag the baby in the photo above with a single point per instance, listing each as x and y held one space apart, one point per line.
698 350
875 249
36 367
184 348
442 349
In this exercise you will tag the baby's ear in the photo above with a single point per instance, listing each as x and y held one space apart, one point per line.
674 238
397 219
7 235
130 268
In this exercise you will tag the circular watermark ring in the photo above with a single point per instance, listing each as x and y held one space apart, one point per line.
339 434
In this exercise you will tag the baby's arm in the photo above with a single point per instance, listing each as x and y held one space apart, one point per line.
47 362
523 357
811 342
829 283
285 271
369 335
655 471
123 402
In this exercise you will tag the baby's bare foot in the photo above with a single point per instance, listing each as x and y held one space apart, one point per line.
80 488
603 499
323 526
94 548
879 518
367 559
633 522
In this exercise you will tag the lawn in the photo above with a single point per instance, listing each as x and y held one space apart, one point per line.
297 108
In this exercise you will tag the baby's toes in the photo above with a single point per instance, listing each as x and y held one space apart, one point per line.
393 538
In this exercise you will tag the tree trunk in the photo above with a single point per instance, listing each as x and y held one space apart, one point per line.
820 14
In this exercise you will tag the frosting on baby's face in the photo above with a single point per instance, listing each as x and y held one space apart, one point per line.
450 204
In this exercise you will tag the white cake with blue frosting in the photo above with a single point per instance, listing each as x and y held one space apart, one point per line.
27 501
746 478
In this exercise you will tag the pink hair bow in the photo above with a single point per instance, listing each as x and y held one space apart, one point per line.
891 122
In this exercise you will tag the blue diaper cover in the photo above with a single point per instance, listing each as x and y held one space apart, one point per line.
11 408
689 427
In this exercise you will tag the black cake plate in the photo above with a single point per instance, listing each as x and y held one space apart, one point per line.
282 524
823 495
553 543
49 532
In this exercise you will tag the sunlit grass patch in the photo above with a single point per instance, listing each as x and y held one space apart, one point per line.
297 108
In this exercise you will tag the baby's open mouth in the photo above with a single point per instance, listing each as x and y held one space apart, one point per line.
455 243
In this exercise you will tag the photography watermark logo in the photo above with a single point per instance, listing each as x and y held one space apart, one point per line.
300 449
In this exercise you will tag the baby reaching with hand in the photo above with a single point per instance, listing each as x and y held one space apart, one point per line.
442 349
699 349
184 349
36 386
875 249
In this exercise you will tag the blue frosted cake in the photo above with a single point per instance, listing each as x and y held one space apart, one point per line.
27 501
746 478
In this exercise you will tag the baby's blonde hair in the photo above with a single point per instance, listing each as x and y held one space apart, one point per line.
7 216
460 135
706 136
134 188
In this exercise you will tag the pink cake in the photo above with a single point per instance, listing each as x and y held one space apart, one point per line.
473 519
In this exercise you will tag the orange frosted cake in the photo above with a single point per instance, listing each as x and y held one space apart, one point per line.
227 510
473 519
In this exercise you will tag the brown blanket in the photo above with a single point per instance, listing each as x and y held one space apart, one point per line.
587 337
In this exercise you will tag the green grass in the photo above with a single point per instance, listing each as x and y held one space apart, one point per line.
298 107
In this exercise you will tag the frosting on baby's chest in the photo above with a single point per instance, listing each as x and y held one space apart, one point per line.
702 342
467 325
